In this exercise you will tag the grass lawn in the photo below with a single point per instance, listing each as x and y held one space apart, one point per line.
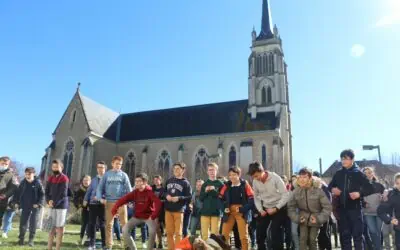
71 238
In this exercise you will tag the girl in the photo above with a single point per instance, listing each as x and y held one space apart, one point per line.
371 203
79 198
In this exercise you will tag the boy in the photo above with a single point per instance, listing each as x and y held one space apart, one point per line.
95 207
271 197
211 210
57 199
147 208
8 185
178 195
114 185
309 207
29 197
349 184
238 199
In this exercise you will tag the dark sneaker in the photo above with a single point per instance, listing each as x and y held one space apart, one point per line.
21 242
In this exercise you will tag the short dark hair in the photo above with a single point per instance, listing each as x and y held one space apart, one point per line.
255 167
30 170
347 153
143 176
101 163
180 164
316 174
235 169
158 177
306 171
57 162
5 158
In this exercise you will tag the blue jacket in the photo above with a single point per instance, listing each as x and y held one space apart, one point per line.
114 185
348 181
91 192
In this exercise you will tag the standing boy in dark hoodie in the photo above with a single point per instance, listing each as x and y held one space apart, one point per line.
178 195
29 197
350 185
147 209
57 199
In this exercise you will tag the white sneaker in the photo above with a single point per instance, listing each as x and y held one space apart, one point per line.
4 236
144 246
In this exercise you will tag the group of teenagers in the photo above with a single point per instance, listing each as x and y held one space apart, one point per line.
269 211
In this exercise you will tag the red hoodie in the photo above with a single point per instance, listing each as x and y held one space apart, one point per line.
146 203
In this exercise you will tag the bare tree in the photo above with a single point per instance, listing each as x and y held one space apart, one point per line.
396 158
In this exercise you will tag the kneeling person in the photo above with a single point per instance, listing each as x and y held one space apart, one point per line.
147 209
309 207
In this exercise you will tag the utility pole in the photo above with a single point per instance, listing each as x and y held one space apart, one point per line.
320 166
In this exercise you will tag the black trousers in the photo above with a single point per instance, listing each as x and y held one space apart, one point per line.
2 213
84 221
96 214
269 228
324 237
30 216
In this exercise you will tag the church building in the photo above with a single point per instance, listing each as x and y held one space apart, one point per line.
241 131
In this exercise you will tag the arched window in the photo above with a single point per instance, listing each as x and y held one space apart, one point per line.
270 64
164 163
263 96
265 64
200 164
85 157
232 156
269 95
264 156
69 157
130 165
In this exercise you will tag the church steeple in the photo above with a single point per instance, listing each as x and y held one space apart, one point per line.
266 22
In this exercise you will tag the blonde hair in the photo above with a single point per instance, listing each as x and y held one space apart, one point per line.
396 176
213 165
87 176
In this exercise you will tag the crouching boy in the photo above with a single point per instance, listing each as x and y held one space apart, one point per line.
147 209
309 207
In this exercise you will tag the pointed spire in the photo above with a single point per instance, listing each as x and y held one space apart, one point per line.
266 22
78 87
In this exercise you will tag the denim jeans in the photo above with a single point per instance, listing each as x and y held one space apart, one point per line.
8 216
194 223
295 236
374 224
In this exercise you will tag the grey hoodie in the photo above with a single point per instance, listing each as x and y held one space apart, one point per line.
372 202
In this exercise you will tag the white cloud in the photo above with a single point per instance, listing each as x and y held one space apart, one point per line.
388 20
393 16
357 50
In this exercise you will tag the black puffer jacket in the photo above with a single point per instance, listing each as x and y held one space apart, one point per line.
386 209
349 181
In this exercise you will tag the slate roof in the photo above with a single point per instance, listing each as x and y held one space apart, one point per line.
99 117
208 119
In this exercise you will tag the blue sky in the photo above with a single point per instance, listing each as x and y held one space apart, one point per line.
143 55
